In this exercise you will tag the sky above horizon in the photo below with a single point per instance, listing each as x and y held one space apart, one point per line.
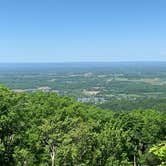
82 30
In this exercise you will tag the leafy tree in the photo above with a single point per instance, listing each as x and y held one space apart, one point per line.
159 151
41 129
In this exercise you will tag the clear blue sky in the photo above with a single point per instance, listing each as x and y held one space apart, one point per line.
82 30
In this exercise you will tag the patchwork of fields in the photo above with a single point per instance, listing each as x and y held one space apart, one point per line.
92 83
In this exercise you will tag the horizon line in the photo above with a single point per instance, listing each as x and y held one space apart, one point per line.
139 61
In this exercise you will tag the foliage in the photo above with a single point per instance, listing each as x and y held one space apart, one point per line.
43 128
159 150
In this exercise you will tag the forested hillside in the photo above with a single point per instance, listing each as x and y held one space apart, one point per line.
43 129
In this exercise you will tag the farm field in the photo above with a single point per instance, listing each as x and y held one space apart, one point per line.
94 83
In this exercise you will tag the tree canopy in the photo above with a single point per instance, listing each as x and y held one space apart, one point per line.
43 128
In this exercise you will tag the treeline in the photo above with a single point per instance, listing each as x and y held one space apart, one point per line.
142 103
46 129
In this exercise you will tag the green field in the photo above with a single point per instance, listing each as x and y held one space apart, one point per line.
103 84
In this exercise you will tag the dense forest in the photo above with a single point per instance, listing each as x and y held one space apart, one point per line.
139 103
43 128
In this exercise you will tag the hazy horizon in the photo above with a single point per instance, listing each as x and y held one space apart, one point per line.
68 62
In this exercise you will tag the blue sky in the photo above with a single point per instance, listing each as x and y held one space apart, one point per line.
82 30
